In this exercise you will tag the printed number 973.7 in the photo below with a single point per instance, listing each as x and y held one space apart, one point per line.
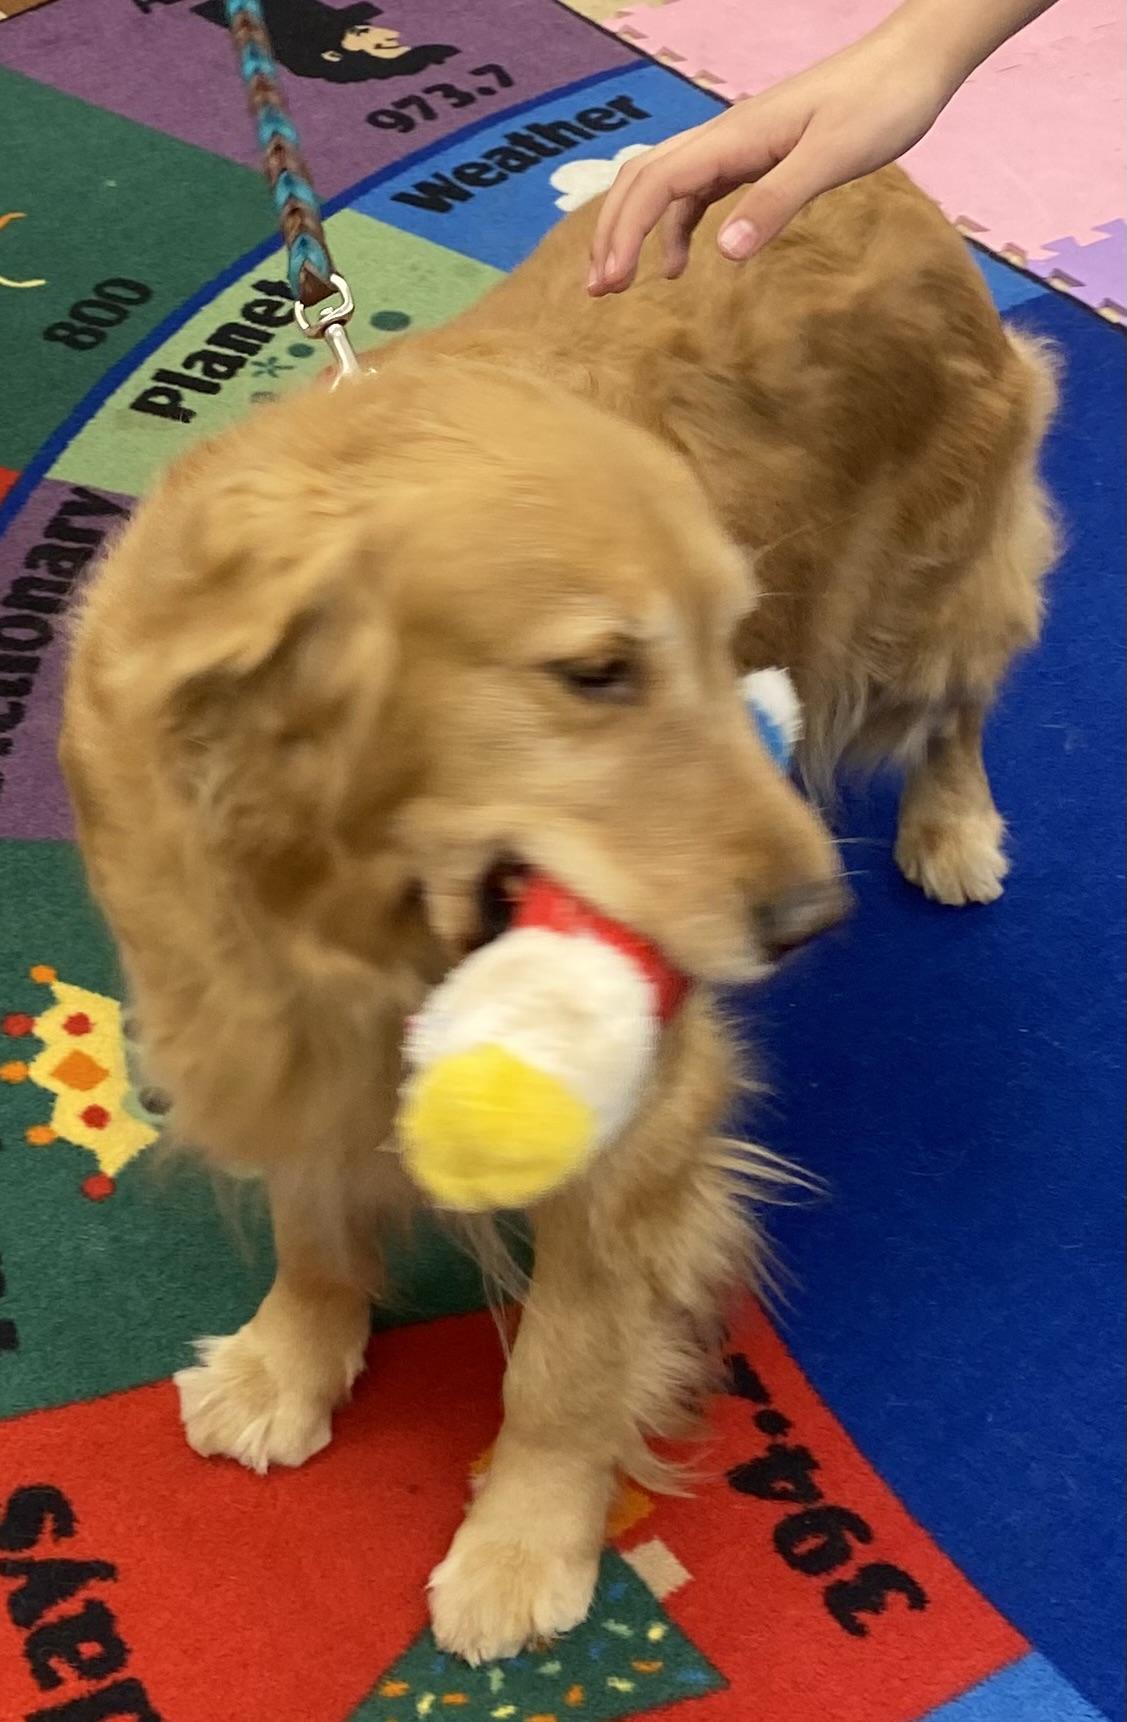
405 114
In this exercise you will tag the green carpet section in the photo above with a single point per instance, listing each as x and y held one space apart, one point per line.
243 349
100 200
626 1658
152 1247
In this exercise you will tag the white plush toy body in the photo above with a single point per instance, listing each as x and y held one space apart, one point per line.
534 1053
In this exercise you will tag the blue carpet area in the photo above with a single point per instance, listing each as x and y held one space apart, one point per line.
1028 1691
958 1077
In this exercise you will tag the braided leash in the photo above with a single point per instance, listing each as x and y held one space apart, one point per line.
323 302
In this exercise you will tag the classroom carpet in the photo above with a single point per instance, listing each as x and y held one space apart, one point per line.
912 1498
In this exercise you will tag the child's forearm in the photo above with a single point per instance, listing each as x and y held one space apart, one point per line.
959 34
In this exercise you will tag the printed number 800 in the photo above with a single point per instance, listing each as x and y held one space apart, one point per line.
108 305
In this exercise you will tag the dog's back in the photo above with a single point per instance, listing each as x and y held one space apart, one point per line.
867 427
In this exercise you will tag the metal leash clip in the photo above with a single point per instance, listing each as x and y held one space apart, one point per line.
327 322
299 213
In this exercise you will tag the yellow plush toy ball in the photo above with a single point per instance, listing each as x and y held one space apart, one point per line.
482 1129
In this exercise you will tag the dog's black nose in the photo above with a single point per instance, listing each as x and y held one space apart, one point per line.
799 915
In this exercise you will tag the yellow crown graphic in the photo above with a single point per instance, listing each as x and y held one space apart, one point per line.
85 1065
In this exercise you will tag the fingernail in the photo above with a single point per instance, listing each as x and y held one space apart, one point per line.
738 240
610 267
594 280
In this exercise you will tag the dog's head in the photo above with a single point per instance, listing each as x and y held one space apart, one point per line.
449 622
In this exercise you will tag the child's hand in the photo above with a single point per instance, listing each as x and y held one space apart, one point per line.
840 119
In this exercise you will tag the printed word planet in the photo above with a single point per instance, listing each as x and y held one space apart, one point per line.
520 151
204 370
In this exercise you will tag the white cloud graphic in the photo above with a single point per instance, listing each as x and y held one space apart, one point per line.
579 181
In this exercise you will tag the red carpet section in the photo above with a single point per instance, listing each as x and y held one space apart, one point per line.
140 1581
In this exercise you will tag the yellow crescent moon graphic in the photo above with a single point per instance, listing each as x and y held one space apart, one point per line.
16 215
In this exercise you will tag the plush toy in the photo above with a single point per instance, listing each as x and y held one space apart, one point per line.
533 1054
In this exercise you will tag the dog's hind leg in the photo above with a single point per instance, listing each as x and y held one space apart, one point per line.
951 834
950 838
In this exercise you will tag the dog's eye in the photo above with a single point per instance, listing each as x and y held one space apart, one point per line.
613 678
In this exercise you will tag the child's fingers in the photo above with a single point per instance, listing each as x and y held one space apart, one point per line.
686 169
679 226
616 197
773 201
703 165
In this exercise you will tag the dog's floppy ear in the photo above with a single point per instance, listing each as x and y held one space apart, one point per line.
281 659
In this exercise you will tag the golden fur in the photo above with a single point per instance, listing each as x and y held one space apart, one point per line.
320 688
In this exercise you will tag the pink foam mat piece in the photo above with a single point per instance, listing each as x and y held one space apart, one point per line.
1029 155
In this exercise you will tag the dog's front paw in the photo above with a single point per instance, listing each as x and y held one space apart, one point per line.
493 1594
232 1402
954 861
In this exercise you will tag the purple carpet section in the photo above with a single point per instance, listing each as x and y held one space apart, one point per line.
461 64
44 557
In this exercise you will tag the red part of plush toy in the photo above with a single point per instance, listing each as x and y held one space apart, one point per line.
544 902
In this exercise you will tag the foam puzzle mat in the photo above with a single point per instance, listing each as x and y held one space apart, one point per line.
912 1496
1029 158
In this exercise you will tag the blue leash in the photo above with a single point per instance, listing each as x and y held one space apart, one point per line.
323 302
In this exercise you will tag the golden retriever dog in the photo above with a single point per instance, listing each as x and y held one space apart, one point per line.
486 608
